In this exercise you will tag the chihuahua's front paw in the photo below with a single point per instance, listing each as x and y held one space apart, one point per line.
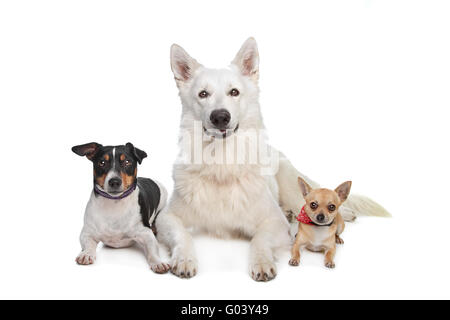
263 271
184 267
330 264
339 240
160 267
294 262
85 259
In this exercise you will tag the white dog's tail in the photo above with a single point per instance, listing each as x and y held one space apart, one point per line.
364 206
291 201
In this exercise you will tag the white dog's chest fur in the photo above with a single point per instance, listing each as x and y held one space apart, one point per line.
113 222
225 199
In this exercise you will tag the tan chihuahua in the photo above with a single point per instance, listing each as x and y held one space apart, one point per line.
320 223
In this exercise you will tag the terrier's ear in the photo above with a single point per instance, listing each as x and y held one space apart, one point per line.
183 65
89 149
304 187
344 190
247 59
138 154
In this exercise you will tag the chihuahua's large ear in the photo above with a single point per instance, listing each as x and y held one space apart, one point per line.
247 59
138 154
344 190
183 65
304 186
89 149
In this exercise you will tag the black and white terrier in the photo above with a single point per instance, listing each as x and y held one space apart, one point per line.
122 207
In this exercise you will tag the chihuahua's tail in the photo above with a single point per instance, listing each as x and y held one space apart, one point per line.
291 200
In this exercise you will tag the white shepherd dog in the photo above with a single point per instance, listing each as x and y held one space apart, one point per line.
228 182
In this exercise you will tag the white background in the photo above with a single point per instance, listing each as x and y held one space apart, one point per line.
349 90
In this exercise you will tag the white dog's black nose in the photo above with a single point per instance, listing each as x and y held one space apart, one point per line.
115 183
320 217
220 118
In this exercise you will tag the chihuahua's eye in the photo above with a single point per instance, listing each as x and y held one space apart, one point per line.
234 92
314 205
203 94
127 162
331 207
101 163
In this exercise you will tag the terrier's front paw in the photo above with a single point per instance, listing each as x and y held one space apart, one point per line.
184 267
339 240
263 271
160 267
294 262
330 264
85 259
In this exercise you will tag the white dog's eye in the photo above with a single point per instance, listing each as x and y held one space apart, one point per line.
203 94
234 92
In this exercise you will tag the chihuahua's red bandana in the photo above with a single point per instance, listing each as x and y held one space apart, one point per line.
303 217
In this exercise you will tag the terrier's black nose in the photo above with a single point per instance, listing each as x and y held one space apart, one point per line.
115 182
320 217
220 118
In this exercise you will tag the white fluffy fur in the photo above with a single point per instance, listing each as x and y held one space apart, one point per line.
229 200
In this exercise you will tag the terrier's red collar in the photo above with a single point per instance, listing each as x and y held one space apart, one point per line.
303 218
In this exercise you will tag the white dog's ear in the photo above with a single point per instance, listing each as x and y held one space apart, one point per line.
183 65
247 59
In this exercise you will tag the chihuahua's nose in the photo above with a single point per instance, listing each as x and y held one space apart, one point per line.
320 217
115 183
220 118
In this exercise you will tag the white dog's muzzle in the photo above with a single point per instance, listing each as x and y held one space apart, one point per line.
221 134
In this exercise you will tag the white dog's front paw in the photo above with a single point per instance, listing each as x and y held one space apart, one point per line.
85 258
184 267
263 271
160 267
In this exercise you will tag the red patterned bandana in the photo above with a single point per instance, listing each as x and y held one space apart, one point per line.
303 217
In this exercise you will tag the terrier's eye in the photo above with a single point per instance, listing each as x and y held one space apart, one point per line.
101 163
314 205
127 162
234 92
331 207
203 94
